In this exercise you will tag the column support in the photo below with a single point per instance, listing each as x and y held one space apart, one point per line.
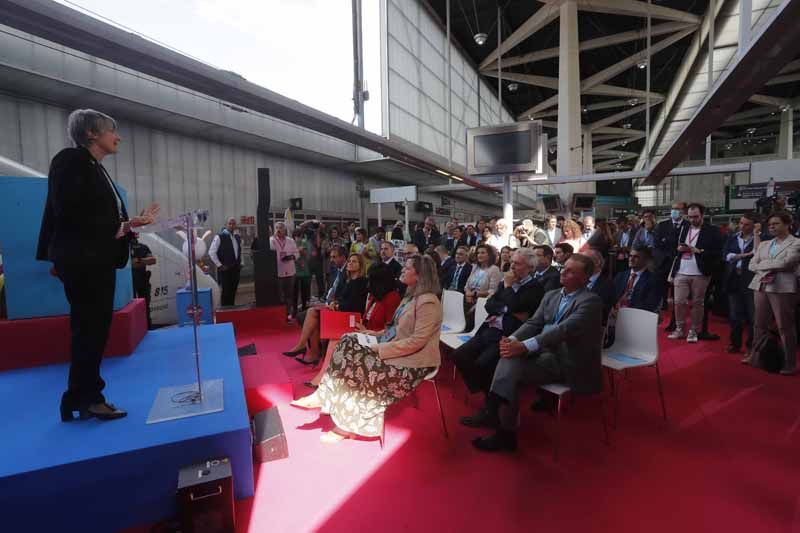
508 202
745 22
569 93
786 135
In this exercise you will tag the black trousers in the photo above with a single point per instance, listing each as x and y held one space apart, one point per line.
477 358
229 282
315 267
90 293
741 310
143 291
302 288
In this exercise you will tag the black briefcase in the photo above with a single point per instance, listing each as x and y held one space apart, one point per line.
205 497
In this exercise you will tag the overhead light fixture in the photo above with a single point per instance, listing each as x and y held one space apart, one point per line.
633 101
443 173
785 108
480 38
512 87
552 148
585 109
456 177
626 126
751 131
728 146
624 144
642 64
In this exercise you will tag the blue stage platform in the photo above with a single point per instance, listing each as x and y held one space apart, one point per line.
104 476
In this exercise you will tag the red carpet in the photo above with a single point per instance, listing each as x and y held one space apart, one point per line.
725 461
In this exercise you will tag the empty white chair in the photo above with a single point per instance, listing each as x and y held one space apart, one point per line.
453 320
635 345
454 340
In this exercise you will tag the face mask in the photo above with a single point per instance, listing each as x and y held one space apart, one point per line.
675 214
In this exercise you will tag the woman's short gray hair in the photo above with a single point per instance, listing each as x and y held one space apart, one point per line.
81 122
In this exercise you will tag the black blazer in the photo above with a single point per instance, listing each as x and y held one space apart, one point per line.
353 297
81 218
733 280
646 294
466 270
710 241
526 299
550 279
665 247
605 290
395 267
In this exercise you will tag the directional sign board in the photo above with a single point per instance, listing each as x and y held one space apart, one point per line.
393 194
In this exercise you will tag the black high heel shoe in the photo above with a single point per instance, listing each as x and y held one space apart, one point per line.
294 353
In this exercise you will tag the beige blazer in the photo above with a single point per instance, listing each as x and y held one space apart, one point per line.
416 344
784 265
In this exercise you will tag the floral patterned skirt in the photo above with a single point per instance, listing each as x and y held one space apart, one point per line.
359 386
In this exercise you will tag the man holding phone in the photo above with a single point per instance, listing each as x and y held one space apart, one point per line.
699 251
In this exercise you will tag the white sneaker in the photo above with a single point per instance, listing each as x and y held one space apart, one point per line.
677 334
692 336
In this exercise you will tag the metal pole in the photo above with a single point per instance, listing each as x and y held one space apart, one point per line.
190 238
449 94
712 11
380 219
508 202
358 70
499 72
647 90
405 210
745 21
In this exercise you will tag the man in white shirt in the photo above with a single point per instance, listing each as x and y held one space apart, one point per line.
226 253
588 227
286 252
699 252
552 231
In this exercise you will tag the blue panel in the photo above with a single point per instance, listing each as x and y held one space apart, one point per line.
30 289
183 299
107 476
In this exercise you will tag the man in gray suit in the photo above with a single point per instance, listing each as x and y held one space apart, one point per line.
552 231
558 344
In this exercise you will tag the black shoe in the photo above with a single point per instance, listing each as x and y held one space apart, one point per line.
310 385
706 336
730 348
303 361
68 409
481 419
502 441
294 353
670 328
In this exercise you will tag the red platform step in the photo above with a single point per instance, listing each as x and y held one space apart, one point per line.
33 342
248 318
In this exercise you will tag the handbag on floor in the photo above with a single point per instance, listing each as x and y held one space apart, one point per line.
767 353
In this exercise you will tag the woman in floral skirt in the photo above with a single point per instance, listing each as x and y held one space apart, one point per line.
362 381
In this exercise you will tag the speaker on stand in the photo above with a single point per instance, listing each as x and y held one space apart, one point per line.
265 262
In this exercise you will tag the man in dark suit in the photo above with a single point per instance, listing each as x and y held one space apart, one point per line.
666 245
470 237
558 344
456 280
85 233
427 236
546 274
387 258
515 299
700 251
637 287
737 252
226 253
599 284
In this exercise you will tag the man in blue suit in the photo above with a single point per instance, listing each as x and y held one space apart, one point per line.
737 253
637 287
456 277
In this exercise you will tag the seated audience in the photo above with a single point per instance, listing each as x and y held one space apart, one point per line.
352 298
599 284
546 274
558 344
362 381
383 298
485 275
637 287
456 279
505 259
446 262
561 253
516 298
388 259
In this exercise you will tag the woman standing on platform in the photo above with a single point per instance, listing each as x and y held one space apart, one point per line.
775 288
351 299
362 381
85 233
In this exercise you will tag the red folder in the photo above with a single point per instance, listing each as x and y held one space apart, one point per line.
334 324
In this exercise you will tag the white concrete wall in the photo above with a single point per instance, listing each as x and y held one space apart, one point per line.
417 78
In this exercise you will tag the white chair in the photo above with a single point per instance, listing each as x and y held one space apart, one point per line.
454 340
635 346
430 378
453 320
559 390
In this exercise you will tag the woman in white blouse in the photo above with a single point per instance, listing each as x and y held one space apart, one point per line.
572 235
485 277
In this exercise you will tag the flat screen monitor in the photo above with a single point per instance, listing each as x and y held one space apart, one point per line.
583 202
505 149
552 204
